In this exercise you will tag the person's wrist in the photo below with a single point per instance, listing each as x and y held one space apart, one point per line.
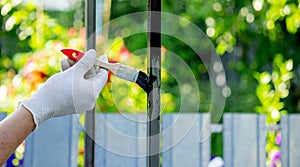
34 106
28 116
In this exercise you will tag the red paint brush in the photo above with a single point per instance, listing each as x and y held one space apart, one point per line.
120 70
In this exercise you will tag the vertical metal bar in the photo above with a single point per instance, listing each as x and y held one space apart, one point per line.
153 122
90 25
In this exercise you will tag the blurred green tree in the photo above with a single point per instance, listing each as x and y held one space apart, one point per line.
247 34
30 42
271 89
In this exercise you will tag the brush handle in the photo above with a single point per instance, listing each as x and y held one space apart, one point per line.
112 67
120 70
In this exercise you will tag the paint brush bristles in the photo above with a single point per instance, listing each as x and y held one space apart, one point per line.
127 73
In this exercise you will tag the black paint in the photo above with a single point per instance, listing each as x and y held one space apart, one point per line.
145 82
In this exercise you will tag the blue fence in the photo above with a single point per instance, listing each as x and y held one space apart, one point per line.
186 140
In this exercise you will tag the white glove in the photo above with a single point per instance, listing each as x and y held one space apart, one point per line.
67 63
68 92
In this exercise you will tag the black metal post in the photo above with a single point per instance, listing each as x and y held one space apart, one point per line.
153 122
90 25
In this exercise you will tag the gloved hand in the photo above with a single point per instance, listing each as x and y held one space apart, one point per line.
68 92
67 63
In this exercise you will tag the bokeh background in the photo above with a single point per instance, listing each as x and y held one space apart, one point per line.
257 41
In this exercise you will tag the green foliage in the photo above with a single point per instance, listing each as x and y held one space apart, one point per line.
271 89
30 49
274 87
247 33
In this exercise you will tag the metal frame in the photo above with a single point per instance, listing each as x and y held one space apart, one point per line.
89 143
153 119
